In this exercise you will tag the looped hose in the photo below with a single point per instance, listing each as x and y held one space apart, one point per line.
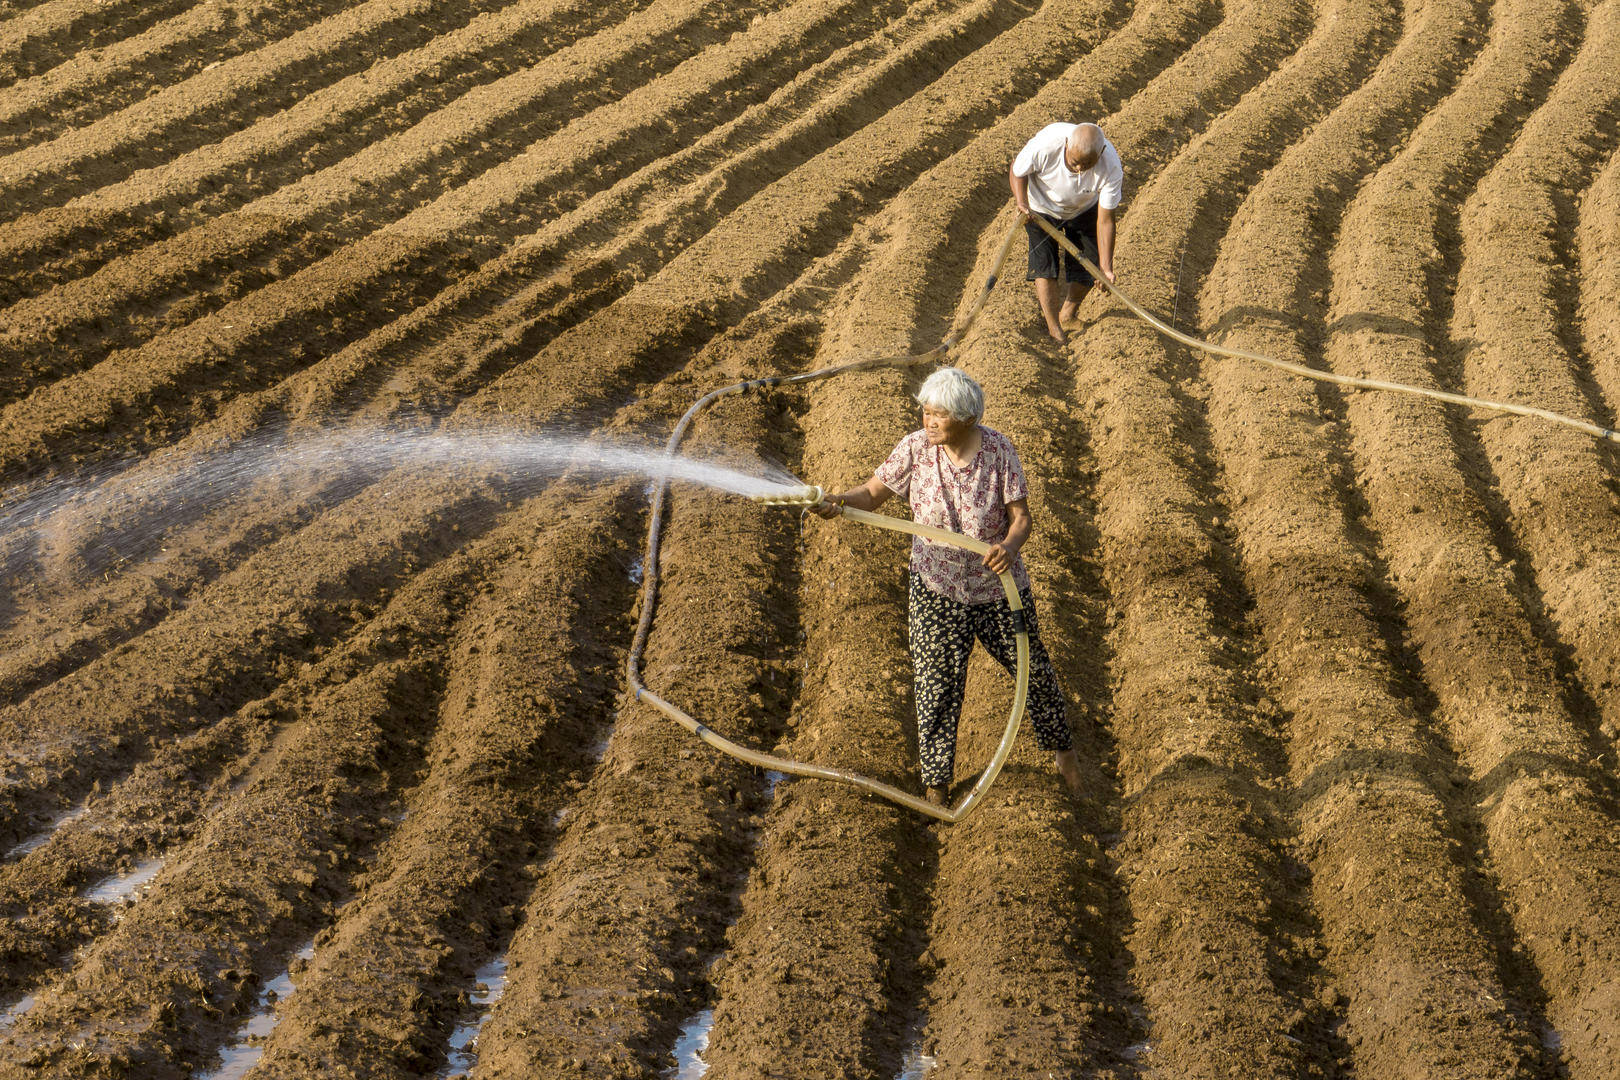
649 588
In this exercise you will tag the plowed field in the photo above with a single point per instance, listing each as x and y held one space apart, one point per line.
323 778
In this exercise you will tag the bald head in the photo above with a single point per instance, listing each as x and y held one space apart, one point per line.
1083 147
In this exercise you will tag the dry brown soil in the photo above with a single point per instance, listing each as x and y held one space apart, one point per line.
1342 668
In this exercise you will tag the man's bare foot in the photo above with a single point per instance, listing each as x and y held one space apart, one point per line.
1056 334
1068 767
935 796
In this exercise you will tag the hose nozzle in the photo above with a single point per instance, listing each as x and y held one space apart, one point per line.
809 495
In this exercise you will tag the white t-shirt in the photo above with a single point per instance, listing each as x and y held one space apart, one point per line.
1057 190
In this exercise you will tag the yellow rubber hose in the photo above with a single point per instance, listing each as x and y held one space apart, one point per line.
649 595
1313 373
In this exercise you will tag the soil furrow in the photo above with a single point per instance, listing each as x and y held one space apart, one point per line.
1599 242
1413 959
1509 340
212 104
815 971
49 33
244 634
635 900
160 806
1225 939
1016 985
1029 926
593 254
530 674
318 131
156 997
134 298
1494 680
88 86
1513 343
441 236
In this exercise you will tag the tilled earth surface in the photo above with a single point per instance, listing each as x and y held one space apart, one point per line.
322 776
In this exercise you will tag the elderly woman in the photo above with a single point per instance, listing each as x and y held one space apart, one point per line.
960 475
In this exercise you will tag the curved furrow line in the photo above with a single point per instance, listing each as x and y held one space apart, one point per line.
633 902
1037 980
135 299
214 103
1377 816
1511 718
197 549
1511 338
594 253
154 998
770 238
44 917
816 969
529 677
90 85
1055 1013
1198 753
46 34
434 64
1599 242
231 644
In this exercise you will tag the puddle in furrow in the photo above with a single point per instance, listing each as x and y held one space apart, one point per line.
119 886
1551 1039
772 779
245 1050
689 1047
1135 1052
916 1064
489 984
43 837
14 1013
636 570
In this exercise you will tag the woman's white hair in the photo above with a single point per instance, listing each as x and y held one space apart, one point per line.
953 390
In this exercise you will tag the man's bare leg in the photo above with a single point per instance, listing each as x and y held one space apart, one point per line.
1047 291
1071 306
1068 767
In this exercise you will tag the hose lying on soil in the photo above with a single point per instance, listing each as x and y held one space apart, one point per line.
986 778
649 595
1313 373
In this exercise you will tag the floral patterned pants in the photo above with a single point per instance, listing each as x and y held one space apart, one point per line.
942 635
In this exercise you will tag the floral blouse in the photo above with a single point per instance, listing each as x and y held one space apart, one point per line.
971 500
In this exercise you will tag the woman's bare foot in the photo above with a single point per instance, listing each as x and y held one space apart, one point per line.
935 796
1056 334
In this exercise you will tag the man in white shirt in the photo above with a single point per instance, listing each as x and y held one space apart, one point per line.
1069 174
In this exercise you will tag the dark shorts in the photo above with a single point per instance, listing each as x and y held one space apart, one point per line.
1047 260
